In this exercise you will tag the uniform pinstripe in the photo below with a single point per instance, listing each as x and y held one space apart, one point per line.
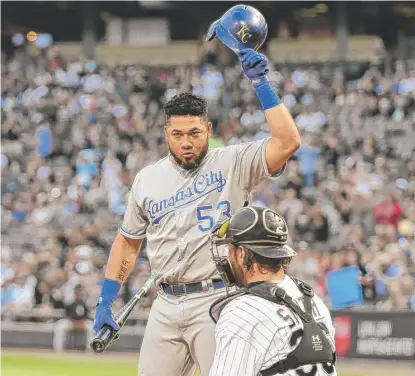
252 334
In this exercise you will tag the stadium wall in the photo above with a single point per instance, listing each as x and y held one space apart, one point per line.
359 335
360 48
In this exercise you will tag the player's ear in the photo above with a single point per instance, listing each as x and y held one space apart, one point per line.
209 129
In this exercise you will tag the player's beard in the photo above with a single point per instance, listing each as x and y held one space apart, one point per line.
193 164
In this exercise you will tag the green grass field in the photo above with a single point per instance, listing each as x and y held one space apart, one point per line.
16 364
30 365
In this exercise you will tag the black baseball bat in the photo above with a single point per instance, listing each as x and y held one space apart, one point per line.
106 334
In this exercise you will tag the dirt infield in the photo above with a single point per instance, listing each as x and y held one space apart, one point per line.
355 366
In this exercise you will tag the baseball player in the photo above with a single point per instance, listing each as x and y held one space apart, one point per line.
174 204
273 324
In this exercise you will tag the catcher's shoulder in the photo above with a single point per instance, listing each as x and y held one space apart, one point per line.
245 302
247 314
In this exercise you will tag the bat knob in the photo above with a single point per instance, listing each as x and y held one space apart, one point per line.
102 339
97 345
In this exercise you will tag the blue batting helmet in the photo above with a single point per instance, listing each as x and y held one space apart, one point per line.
240 27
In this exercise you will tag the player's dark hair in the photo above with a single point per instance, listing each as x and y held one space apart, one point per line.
272 265
186 104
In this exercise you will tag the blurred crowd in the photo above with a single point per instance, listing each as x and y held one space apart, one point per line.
74 135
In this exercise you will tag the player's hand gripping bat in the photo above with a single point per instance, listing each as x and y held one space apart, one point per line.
107 335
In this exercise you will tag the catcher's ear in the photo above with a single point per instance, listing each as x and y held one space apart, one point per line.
240 253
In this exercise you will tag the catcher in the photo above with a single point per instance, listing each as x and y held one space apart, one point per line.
273 324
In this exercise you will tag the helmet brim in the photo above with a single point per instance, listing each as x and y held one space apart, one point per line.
228 40
211 31
218 31
272 251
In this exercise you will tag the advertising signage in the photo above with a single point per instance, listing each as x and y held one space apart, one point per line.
376 335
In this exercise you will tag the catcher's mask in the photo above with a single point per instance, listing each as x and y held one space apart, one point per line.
257 229
240 27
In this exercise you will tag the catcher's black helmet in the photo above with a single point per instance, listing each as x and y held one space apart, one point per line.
261 230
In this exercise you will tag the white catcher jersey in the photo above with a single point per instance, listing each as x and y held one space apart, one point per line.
176 208
252 334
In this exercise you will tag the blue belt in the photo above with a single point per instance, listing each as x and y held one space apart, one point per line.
179 289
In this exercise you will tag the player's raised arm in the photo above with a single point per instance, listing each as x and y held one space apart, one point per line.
285 139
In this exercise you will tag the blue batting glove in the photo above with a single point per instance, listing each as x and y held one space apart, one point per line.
103 313
254 64
104 316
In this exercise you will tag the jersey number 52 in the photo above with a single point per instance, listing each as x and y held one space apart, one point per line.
205 218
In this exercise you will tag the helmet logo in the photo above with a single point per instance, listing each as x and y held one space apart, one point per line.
244 34
273 223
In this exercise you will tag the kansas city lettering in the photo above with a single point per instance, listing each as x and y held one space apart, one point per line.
202 185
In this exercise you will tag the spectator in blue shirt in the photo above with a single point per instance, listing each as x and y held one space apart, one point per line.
308 156
44 137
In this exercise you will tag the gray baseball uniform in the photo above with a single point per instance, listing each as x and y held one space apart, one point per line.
175 209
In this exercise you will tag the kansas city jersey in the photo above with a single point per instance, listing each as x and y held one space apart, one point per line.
175 209
252 334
